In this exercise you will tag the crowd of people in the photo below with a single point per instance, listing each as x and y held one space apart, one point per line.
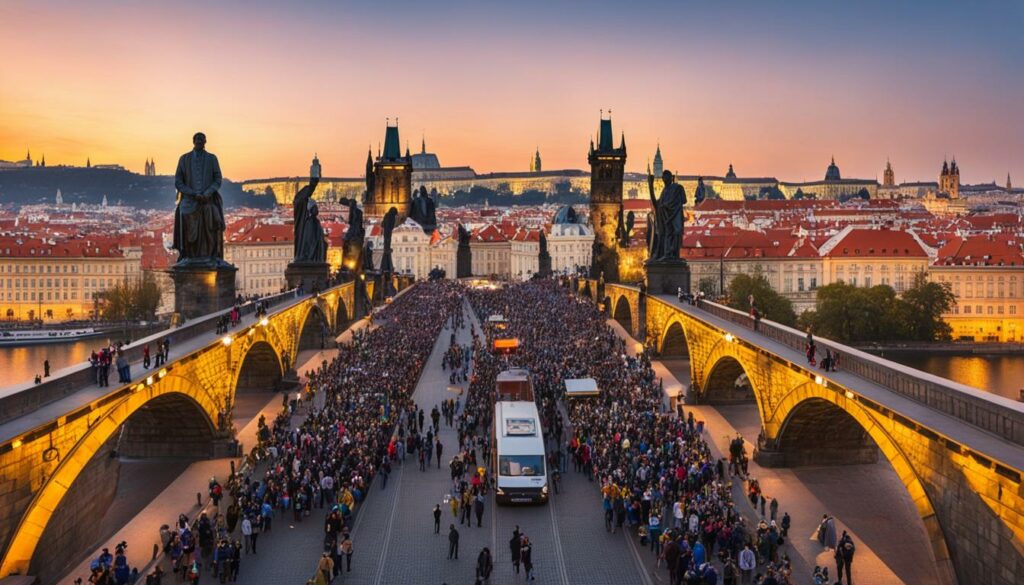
321 461
654 469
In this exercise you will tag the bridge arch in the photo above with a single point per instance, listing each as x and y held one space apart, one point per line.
623 313
315 329
170 392
260 368
798 420
342 317
674 342
728 382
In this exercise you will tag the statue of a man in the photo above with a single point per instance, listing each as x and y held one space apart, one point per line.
388 226
354 256
199 214
309 234
668 218
423 211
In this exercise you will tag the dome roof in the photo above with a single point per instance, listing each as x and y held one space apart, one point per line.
565 215
832 173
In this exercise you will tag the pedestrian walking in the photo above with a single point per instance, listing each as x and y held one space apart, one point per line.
46 368
478 508
484 566
515 545
326 567
526 556
748 562
453 542
437 519
773 508
846 550
346 549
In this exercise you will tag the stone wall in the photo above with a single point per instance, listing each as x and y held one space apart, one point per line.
971 503
73 530
38 465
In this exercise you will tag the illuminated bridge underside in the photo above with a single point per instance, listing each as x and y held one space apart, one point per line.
963 478
179 411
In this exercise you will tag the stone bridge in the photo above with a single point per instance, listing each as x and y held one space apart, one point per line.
959 451
61 440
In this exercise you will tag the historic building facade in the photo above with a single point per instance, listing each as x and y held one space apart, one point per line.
607 167
389 179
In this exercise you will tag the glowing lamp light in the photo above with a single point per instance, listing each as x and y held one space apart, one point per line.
818 380
264 321
729 337
16 443
161 373
849 395
149 381
226 340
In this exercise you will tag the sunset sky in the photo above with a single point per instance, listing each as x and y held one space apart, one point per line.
775 88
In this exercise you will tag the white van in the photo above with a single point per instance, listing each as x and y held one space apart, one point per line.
519 462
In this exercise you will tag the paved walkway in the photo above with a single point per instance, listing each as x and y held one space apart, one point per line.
868 501
141 531
396 530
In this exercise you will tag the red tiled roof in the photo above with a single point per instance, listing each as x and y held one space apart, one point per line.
877 244
980 251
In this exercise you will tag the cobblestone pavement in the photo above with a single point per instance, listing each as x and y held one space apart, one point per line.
394 534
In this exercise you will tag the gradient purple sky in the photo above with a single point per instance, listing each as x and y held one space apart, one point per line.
775 88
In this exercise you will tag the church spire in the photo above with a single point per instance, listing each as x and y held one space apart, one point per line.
423 145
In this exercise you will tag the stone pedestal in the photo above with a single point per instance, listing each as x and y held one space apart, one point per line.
463 262
544 265
309 275
664 278
201 289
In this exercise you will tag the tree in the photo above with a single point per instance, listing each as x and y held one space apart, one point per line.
851 314
925 302
771 304
848 313
708 286
132 300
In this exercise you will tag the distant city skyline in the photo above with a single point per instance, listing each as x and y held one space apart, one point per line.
775 90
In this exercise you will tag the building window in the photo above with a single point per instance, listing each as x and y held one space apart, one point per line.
967 309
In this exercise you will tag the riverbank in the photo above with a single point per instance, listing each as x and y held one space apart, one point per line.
950 347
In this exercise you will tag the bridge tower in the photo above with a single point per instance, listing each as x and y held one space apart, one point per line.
607 166
389 182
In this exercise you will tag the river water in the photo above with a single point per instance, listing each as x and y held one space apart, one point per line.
20 364
1000 374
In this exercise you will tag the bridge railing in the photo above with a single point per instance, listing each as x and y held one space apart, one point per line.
20 399
989 412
